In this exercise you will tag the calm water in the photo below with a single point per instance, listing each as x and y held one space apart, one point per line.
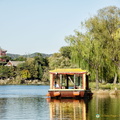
23 102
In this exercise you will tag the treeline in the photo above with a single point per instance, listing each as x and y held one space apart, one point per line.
30 69
97 50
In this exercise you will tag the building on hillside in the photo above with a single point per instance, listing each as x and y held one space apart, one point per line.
2 54
14 63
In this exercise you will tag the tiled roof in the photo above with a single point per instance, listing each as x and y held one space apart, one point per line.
71 70
14 63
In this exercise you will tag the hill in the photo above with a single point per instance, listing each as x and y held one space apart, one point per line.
13 56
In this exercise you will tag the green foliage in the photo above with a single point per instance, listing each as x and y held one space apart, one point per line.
20 58
65 51
98 49
7 58
45 76
7 72
34 66
59 61
25 74
103 86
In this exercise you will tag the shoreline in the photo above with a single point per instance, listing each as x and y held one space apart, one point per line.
38 82
106 92
22 82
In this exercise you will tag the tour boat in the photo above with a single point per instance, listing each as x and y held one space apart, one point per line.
69 83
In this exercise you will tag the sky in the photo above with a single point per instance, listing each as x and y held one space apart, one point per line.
28 26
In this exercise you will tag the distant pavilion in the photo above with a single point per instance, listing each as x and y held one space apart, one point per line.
2 54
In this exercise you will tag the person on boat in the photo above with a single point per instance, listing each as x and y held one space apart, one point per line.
56 85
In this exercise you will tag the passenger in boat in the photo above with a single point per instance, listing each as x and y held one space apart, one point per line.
56 85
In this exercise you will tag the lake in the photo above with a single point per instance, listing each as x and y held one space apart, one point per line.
29 102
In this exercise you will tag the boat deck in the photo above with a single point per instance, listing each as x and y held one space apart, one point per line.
66 90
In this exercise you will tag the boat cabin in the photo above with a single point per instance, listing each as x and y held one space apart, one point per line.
65 83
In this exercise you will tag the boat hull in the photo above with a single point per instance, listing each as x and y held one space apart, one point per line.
70 93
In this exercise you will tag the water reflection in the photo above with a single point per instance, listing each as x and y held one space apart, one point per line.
23 102
108 107
29 103
67 109
100 107
23 108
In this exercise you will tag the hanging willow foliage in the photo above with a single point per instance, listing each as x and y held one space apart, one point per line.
98 49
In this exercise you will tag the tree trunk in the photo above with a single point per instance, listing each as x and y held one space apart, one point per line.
115 79
97 83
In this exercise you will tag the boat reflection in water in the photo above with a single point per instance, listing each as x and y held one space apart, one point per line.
67 109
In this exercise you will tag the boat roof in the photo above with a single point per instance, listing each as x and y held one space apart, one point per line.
68 71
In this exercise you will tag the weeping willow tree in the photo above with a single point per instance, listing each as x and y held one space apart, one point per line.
76 41
116 54
110 23
86 53
98 50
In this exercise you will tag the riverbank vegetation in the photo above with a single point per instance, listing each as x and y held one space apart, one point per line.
95 48
105 86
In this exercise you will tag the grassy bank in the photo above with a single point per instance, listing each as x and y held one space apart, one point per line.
103 86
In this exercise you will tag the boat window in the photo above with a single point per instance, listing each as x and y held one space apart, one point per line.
64 81
64 84
56 81
78 81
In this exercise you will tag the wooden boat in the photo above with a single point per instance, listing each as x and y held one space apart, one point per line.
69 83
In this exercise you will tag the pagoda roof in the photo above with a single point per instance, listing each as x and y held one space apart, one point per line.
2 49
68 71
